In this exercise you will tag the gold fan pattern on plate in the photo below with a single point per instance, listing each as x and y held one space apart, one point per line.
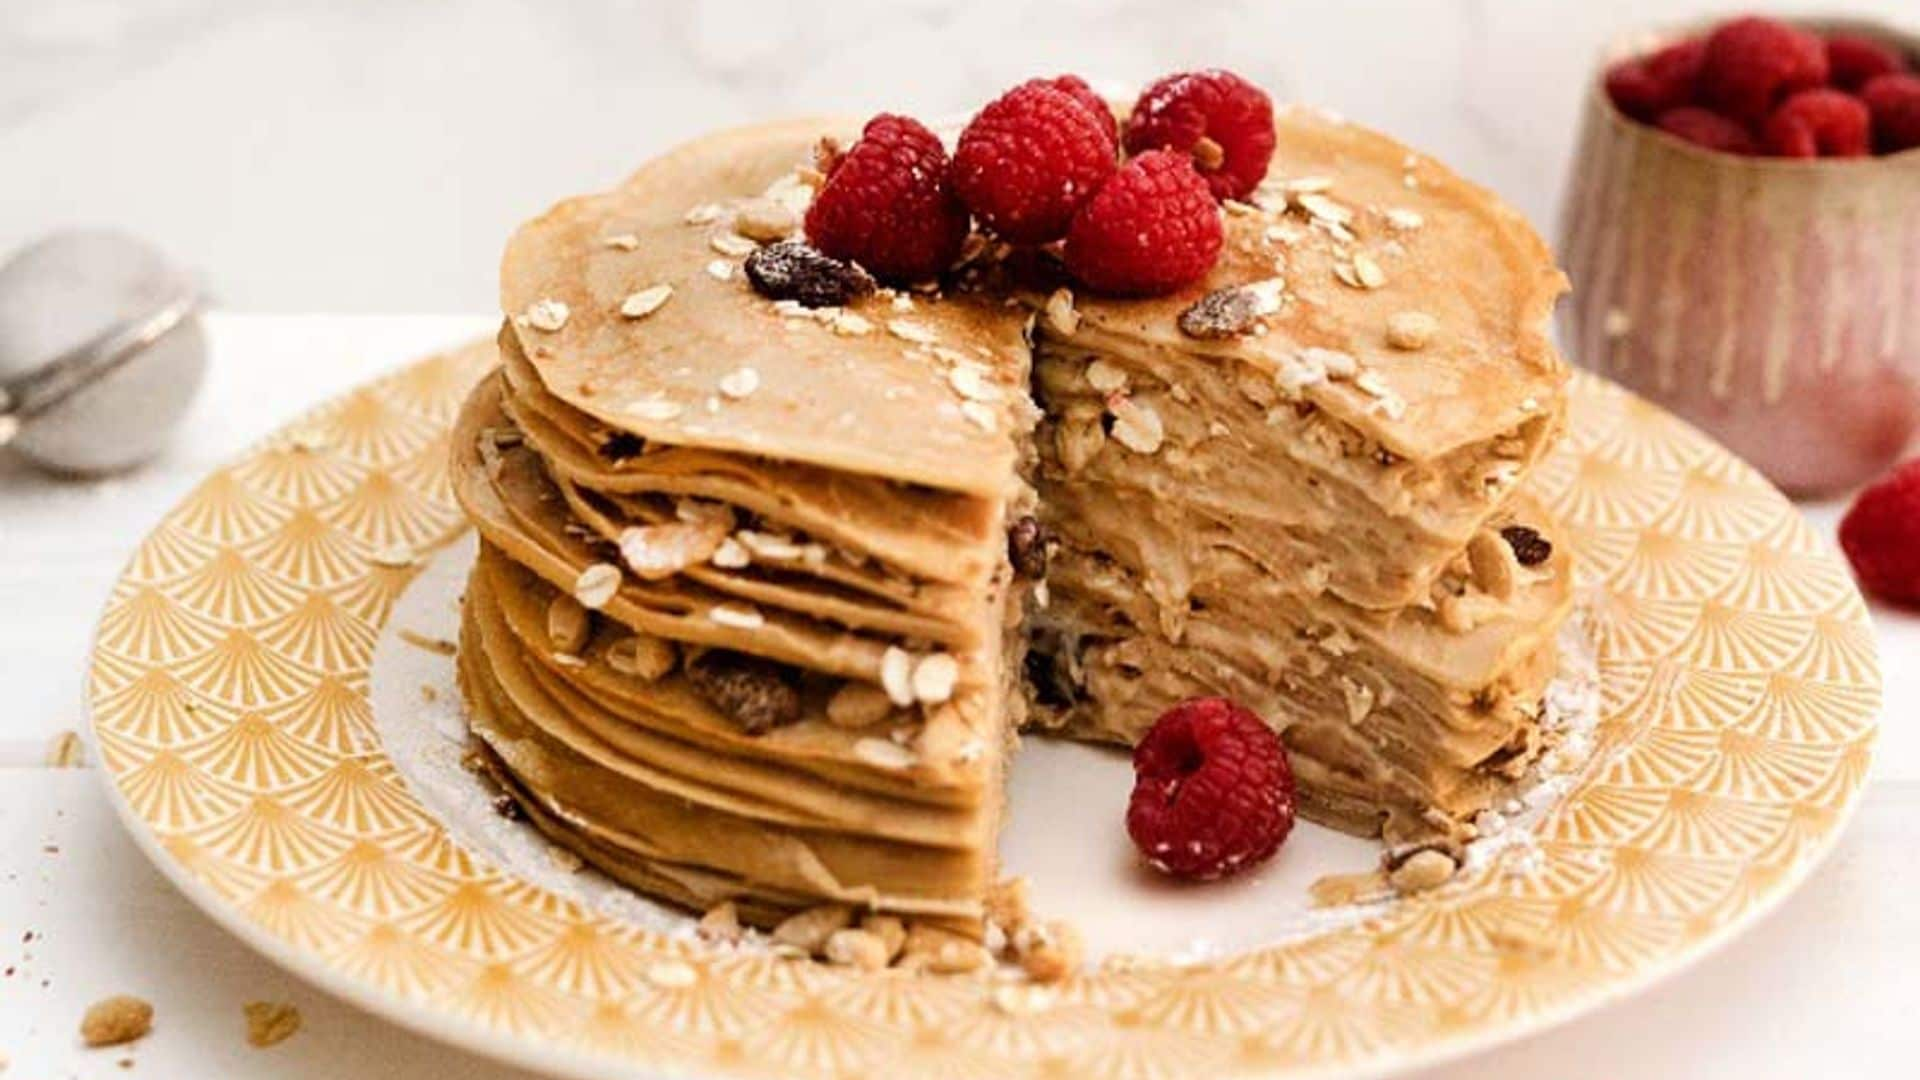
228 690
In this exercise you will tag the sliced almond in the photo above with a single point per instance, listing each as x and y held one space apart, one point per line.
657 552
641 304
809 930
858 705
642 656
896 675
568 624
596 585
934 677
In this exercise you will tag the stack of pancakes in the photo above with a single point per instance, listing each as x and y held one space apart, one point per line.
1323 516
758 580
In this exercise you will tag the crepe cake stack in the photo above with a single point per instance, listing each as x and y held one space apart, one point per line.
757 579
738 630
1301 486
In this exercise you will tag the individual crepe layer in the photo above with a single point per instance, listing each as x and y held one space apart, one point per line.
769 833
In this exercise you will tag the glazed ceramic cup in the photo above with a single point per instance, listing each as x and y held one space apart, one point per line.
1774 303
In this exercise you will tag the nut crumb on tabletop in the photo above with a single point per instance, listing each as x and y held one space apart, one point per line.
270 1023
116 1020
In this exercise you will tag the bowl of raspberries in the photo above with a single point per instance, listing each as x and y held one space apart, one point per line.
1742 227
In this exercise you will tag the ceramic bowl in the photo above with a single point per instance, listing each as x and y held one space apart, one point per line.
1774 303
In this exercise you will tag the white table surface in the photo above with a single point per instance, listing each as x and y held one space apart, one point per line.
1830 972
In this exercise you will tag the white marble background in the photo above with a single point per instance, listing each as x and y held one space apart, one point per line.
351 155
357 156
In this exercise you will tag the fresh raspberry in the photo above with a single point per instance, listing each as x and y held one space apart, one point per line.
887 203
1854 60
1212 791
1151 228
1029 160
1818 123
1752 63
1704 127
1894 101
1221 119
1097 105
1647 86
1881 535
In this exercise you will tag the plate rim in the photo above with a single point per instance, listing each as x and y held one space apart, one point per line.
503 1046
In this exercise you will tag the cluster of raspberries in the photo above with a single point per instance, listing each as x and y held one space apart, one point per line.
1134 210
1761 87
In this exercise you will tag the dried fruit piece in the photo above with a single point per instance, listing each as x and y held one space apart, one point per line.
1819 123
1236 117
887 203
1221 313
1029 160
1213 793
1529 547
1751 64
756 693
792 270
1152 228
1027 550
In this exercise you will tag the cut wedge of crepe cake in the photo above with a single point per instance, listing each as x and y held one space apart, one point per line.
765 592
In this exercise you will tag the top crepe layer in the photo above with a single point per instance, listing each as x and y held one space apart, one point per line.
872 403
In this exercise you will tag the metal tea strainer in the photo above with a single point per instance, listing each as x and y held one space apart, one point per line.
101 351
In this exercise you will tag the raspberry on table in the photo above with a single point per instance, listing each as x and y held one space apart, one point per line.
1854 60
1881 535
1647 86
887 203
1704 127
1223 121
1819 123
1029 160
1213 793
1894 103
1077 87
1751 64
1150 229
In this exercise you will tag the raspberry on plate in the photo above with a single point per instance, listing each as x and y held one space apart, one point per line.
1151 228
1818 123
1752 63
1647 86
1212 793
1894 102
1881 535
1097 105
887 203
1221 119
1854 60
1029 160
1704 127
